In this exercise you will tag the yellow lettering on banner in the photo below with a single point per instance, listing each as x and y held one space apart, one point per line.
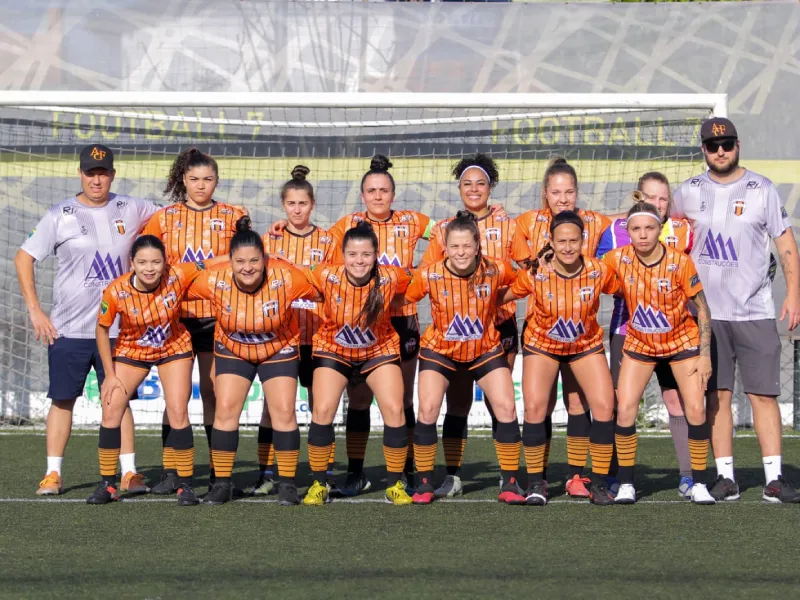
619 132
573 121
132 123
80 129
593 136
199 128
55 123
637 133
662 139
258 115
104 129
221 128
526 127
180 128
154 130
544 124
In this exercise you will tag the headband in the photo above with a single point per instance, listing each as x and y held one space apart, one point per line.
481 169
644 214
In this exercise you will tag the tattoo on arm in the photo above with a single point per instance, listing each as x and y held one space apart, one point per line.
786 262
703 322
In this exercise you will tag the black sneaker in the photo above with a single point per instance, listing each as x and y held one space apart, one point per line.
287 494
599 494
187 496
221 493
168 484
536 494
355 484
724 489
332 485
780 491
106 492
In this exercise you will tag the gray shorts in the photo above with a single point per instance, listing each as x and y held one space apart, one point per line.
756 347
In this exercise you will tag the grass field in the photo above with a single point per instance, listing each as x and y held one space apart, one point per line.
472 547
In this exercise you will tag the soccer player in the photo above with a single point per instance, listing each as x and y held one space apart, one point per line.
657 281
734 213
193 228
463 343
357 343
560 193
91 236
677 234
561 331
148 300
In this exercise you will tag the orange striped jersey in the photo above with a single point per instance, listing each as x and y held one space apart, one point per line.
341 332
497 233
533 232
150 327
463 320
397 239
311 248
563 310
192 235
656 295
255 325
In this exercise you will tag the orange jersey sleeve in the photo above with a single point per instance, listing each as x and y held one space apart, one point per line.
521 242
435 250
108 308
418 288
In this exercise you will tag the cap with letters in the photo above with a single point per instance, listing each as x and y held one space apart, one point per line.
97 156
717 128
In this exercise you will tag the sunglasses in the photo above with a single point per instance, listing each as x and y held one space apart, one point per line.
727 145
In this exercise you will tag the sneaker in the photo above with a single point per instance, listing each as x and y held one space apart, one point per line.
355 484
317 494
398 495
612 485
685 488
168 484
287 494
599 494
51 485
133 483
425 493
699 494
724 489
576 486
511 493
220 493
187 496
450 488
780 491
626 494
536 494
106 492
264 486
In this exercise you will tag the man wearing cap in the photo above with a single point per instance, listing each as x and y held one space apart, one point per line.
734 213
91 236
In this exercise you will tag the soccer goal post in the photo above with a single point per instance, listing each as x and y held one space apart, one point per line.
258 138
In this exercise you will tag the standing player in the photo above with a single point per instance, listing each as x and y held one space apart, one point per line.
734 213
91 236
195 227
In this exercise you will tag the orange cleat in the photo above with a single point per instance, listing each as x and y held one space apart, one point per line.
576 487
51 485
134 483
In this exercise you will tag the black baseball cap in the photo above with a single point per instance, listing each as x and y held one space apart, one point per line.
717 128
97 156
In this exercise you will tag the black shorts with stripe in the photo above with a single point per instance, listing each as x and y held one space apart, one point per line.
666 380
147 365
355 372
474 370
563 359
509 336
283 364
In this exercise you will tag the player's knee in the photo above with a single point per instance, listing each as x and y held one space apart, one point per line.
672 402
505 411
178 416
62 405
426 413
535 412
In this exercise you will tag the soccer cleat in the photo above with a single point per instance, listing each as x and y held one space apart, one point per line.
511 493
779 490
51 485
612 485
265 486
168 484
424 494
317 494
106 492
333 486
220 493
187 496
576 486
685 487
450 488
410 481
133 483
287 494
536 494
626 494
724 489
699 494
600 494
398 495
355 484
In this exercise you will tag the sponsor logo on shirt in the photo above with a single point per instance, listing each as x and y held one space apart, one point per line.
102 270
384 259
172 210
542 218
383 281
718 251
123 294
752 185
68 210
155 337
541 277
221 285
270 309
483 291
587 293
695 280
784 214
435 276
325 239
252 338
672 267
192 255
122 203
406 218
225 211
304 304
627 260
566 331
695 182
649 320
593 274
355 337
463 329
275 284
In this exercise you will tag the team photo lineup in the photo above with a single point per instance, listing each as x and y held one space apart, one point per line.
689 265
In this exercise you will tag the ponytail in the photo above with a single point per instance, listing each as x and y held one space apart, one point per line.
189 158
374 304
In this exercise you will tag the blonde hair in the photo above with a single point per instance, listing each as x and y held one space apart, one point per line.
558 165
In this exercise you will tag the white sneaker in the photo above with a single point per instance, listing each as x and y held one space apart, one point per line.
700 494
626 494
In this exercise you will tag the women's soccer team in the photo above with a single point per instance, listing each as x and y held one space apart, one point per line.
336 310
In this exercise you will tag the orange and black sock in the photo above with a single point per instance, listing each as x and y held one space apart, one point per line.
426 439
266 451
395 451
454 441
508 444
698 451
411 423
320 440
223 452
626 441
182 442
548 430
108 446
209 429
167 453
601 448
287 453
578 428
332 459
534 440
357 436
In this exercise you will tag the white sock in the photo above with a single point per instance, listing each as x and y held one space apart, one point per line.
772 467
725 467
54 464
127 463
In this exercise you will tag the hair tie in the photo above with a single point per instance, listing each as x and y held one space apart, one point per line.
644 214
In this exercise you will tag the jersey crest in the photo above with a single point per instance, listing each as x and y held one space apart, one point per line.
647 320
270 309
464 329
587 294
483 291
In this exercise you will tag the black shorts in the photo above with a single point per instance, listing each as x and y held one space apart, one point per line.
509 336
70 360
283 364
563 359
146 365
202 333
356 372
306 367
407 327
666 380
664 362
474 370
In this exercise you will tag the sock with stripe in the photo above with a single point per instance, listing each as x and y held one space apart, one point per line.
426 439
578 431
167 453
357 436
411 423
108 445
182 441
266 450
395 451
320 440
679 429
332 459
454 441
209 429
548 430
223 452
508 444
698 450
287 453
626 441
534 440
601 447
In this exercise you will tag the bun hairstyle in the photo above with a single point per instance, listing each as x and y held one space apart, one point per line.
566 217
661 178
298 182
379 165
483 162
466 221
558 165
189 158
642 206
148 241
245 237
373 306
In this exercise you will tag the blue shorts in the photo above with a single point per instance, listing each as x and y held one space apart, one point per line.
70 360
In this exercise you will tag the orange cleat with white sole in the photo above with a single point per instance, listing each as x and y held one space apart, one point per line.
576 487
51 485
134 483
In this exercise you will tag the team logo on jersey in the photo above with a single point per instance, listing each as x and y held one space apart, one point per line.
566 331
216 224
401 231
195 256
384 259
627 260
270 309
664 286
252 338
671 241
718 251
740 205
103 307
752 185
275 284
648 320
355 337
304 304
102 270
672 267
316 254
587 293
221 285
493 234
463 329
169 300
287 350
594 274
435 276
483 291
155 337
120 225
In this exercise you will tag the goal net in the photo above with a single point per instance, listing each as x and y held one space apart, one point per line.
257 139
